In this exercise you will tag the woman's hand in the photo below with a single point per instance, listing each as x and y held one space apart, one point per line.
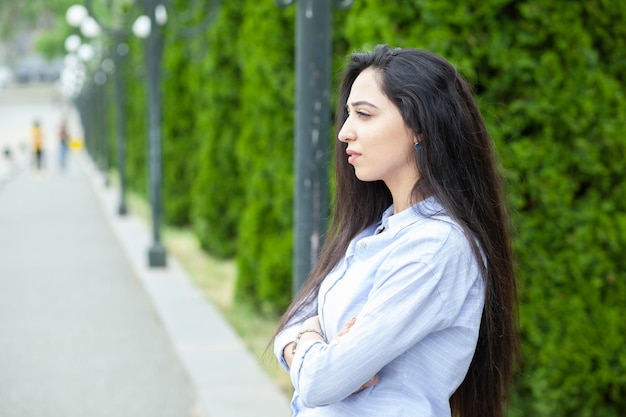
312 323
345 331
346 328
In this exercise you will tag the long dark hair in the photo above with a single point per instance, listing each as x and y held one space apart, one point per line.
457 164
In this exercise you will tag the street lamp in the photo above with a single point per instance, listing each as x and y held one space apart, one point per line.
121 50
78 16
100 78
73 73
72 43
142 27
90 28
89 115
85 52
148 27
312 127
75 15
72 76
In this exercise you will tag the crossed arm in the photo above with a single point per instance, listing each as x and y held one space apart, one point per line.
313 323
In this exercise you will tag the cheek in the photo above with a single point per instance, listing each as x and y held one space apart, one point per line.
411 152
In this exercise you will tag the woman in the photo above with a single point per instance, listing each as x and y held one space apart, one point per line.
411 309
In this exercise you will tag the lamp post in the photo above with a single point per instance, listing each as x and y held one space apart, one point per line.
89 114
73 79
75 15
73 74
121 50
100 79
72 43
148 27
312 127
79 16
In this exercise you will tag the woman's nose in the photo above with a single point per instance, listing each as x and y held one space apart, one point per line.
345 133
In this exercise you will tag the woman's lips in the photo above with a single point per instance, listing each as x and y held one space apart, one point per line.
352 156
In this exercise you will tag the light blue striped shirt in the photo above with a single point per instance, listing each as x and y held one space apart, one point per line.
417 295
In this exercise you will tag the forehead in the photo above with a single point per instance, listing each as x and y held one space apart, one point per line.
367 87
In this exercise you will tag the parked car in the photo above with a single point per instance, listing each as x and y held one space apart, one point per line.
6 76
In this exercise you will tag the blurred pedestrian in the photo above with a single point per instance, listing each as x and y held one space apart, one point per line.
37 143
63 144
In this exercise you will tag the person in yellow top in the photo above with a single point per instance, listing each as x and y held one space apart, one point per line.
37 137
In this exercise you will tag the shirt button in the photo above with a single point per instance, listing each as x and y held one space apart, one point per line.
362 245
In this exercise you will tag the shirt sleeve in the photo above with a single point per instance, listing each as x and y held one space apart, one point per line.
406 303
291 330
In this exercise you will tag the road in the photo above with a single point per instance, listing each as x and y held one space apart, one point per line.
79 337
86 327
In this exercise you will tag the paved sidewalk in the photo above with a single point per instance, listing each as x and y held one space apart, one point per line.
86 329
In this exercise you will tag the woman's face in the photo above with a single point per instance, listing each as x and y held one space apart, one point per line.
380 145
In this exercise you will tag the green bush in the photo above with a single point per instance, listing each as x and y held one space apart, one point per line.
136 116
265 153
180 141
217 197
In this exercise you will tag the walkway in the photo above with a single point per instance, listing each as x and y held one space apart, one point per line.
86 329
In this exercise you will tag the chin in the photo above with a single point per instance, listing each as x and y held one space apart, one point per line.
365 178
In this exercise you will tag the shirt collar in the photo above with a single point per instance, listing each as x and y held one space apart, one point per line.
394 222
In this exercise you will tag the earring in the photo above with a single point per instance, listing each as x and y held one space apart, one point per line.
417 146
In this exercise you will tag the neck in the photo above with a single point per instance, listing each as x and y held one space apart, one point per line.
401 194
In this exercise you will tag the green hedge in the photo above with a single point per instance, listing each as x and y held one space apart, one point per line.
265 153
136 116
179 133
549 76
217 199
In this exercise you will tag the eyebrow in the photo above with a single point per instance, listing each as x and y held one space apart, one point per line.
362 103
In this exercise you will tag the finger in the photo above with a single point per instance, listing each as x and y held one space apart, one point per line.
347 327
372 382
368 384
349 324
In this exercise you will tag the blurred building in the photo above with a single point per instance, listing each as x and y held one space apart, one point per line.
21 64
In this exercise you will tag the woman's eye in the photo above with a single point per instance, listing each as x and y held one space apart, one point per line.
359 113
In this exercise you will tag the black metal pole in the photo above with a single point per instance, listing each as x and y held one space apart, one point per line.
83 103
121 50
90 138
313 55
156 252
94 125
104 128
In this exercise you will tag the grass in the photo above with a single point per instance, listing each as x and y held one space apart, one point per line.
216 279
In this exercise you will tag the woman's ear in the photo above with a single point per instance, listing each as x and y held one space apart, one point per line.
417 138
